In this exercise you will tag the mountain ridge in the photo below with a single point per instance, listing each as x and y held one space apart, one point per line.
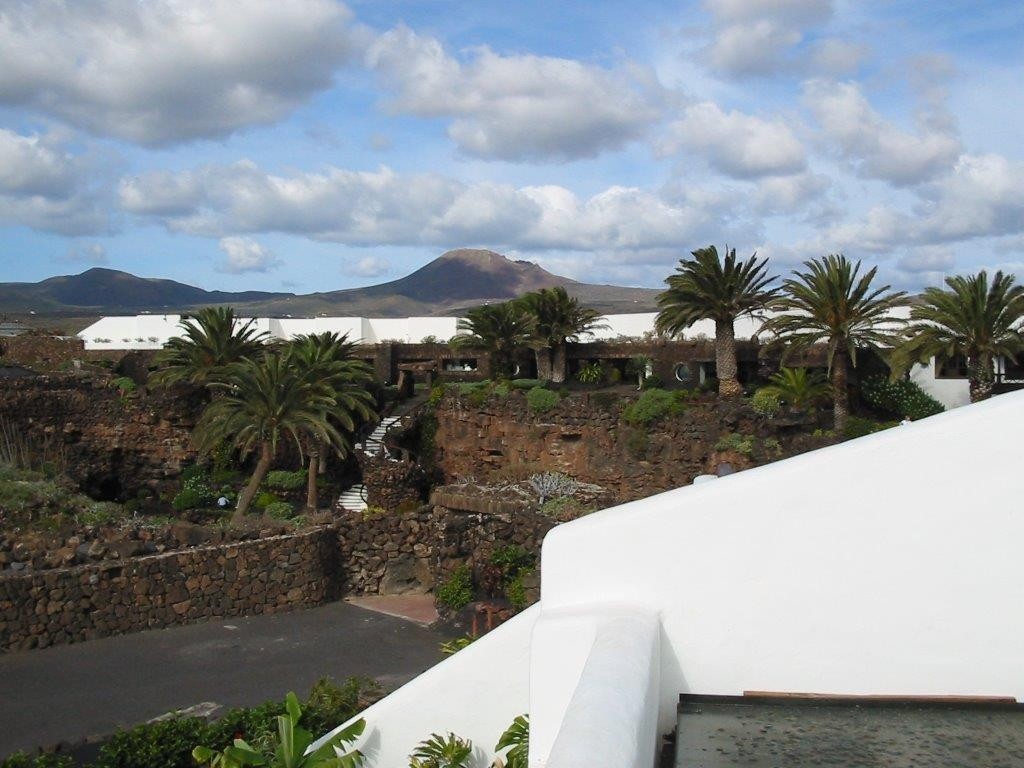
454 281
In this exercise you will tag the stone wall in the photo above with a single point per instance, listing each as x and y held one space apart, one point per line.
410 552
263 576
113 445
586 437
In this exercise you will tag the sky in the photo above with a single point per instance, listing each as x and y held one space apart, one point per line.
313 145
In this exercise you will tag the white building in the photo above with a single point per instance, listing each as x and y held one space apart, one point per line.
148 332
882 566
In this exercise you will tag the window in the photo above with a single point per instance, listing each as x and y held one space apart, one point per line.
683 372
954 368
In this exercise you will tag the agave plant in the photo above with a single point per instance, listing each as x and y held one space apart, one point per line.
290 747
442 752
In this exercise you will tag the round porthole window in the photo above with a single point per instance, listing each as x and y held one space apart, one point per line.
683 372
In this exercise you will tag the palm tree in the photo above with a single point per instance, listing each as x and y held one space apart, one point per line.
798 387
328 359
266 400
707 287
832 303
213 340
974 319
558 320
501 329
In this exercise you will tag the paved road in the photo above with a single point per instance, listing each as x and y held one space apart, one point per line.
67 693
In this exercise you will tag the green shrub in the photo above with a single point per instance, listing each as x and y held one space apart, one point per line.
515 592
457 590
264 499
279 510
857 426
195 493
652 405
442 752
526 383
899 399
436 395
166 744
563 508
766 402
101 513
541 400
734 441
591 373
455 645
124 385
253 724
480 393
330 704
21 760
653 382
282 480
512 558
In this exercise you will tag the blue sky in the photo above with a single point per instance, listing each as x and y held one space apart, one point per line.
313 145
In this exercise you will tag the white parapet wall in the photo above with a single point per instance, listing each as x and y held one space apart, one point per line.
885 565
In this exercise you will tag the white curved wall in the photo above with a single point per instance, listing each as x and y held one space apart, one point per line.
885 565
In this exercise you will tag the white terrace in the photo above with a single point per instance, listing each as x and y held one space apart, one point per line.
889 564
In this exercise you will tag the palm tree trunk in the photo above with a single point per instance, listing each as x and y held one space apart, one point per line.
311 479
249 493
980 378
558 363
840 393
725 359
544 363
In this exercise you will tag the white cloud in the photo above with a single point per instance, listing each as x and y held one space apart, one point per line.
878 148
520 107
165 71
89 253
832 57
386 208
44 187
927 259
369 266
243 254
756 37
789 194
983 195
740 145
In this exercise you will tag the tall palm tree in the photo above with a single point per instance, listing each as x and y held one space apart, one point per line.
328 359
975 319
558 320
501 329
213 340
832 303
708 287
266 400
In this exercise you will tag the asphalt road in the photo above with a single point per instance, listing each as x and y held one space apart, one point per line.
71 692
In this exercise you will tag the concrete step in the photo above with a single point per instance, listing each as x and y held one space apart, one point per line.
352 499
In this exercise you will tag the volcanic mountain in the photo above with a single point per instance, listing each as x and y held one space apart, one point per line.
448 285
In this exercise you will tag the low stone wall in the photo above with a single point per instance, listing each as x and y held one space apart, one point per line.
410 552
251 577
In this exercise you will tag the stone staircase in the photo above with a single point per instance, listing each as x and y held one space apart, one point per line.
354 499
374 444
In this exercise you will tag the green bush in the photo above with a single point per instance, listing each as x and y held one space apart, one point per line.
563 508
592 373
515 593
766 402
734 441
652 405
265 499
195 493
21 760
166 744
124 385
279 510
253 724
330 704
899 399
527 383
282 480
653 382
512 558
457 590
436 395
857 426
541 400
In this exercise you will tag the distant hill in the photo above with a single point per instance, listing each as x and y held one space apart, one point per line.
448 285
